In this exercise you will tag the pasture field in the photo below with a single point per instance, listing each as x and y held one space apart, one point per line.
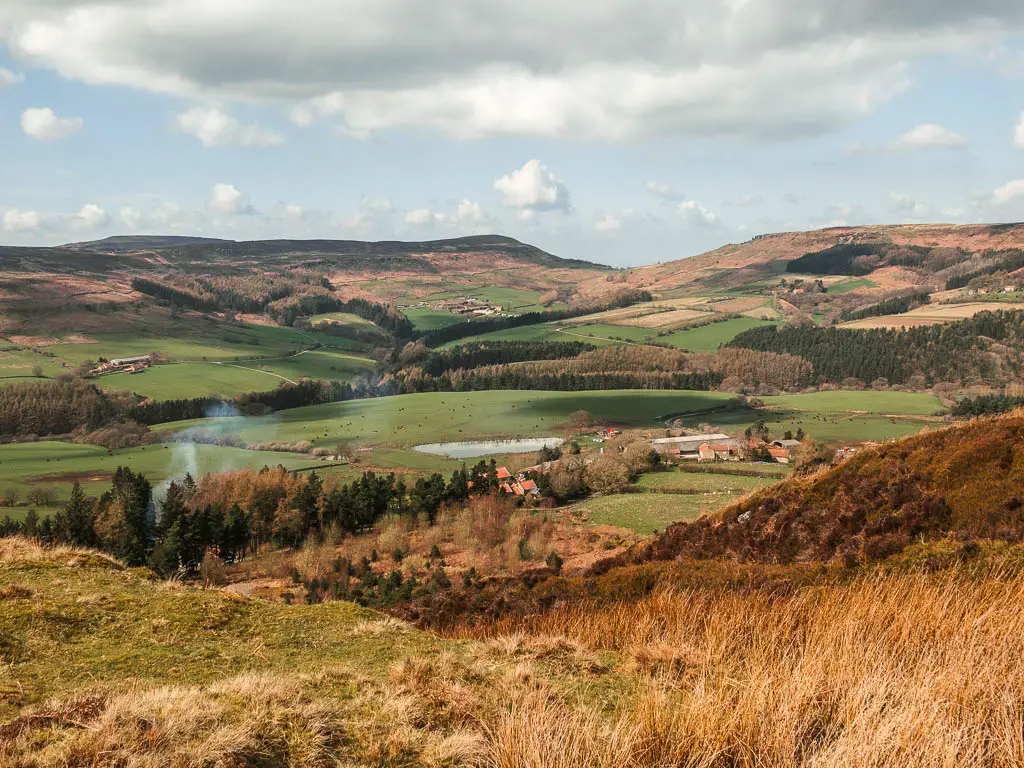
900 403
215 342
58 465
329 364
180 380
846 286
932 314
621 333
708 338
430 417
646 513
19 363
345 318
230 379
704 482
427 319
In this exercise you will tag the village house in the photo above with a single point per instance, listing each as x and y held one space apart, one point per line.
780 455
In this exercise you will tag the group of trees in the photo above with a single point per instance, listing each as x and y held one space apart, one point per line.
233 514
897 305
987 348
287 296
987 405
998 262
57 407
476 354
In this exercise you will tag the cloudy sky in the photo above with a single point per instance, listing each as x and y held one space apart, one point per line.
622 131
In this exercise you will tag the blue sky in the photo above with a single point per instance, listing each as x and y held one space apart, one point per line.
622 132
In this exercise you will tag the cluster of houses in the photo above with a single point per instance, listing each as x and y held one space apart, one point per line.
718 447
123 365
516 485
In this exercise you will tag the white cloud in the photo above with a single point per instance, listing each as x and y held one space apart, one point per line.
664 191
911 208
216 128
695 214
533 188
608 223
131 216
227 198
43 125
1018 133
294 212
930 136
470 213
924 136
21 221
1009 192
421 217
91 216
616 71
9 78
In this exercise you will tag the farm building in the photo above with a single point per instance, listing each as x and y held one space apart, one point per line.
718 452
790 444
130 364
780 455
687 447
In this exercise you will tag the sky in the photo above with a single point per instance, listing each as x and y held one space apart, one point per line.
625 132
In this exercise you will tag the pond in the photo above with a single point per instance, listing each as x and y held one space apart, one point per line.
473 449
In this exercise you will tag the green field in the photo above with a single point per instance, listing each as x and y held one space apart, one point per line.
440 416
849 285
902 403
646 513
708 338
427 319
704 482
19 363
213 341
58 465
169 382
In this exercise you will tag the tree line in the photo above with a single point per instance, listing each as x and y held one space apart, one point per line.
235 514
987 405
897 305
987 347
57 407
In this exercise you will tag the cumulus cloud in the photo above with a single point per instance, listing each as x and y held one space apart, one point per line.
533 189
91 216
695 214
662 190
616 71
911 208
227 198
420 217
608 223
43 125
216 128
21 221
9 78
924 136
1018 133
1009 192
470 213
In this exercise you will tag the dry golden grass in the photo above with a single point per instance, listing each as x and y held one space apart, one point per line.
908 670
663 319
21 550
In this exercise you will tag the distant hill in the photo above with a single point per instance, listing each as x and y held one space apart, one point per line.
767 256
172 251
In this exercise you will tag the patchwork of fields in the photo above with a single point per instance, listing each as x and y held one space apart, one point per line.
933 314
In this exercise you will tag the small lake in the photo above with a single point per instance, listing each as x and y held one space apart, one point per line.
474 448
